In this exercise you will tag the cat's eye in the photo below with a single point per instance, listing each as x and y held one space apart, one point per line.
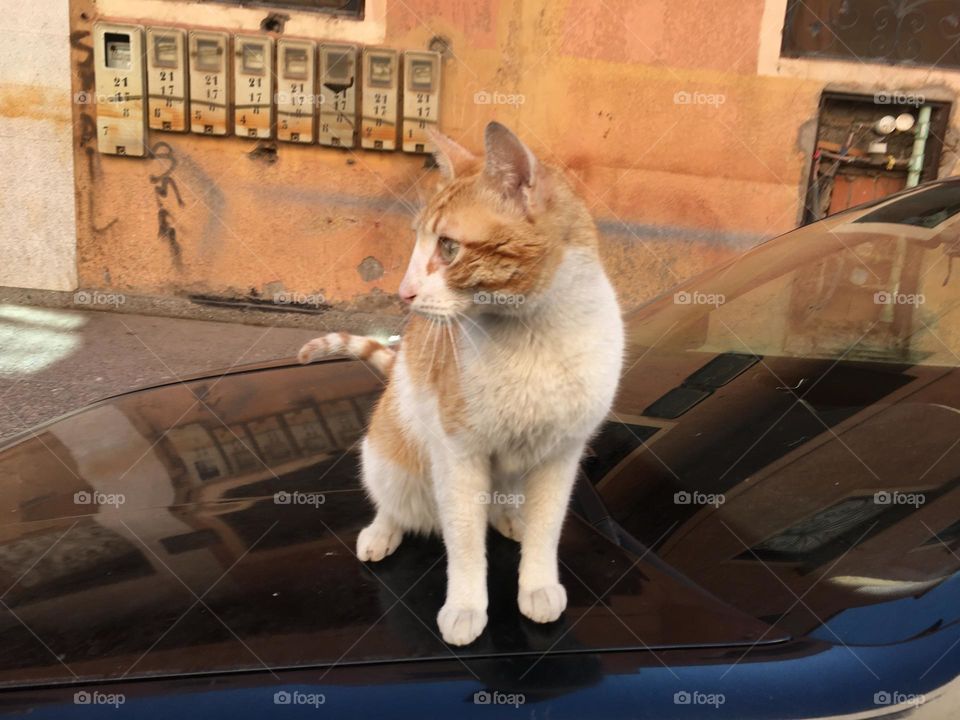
448 248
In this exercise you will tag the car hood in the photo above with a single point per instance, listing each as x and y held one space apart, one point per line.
209 526
788 426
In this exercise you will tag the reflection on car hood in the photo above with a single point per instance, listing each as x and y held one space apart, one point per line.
209 526
789 423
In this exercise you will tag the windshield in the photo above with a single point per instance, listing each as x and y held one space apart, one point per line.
871 284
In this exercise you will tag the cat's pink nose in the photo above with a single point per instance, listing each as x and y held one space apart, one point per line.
407 291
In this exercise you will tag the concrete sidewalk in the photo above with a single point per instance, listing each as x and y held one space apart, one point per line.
55 360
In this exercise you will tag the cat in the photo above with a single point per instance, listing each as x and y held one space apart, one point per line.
507 366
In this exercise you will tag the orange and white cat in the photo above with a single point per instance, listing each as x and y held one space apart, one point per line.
508 365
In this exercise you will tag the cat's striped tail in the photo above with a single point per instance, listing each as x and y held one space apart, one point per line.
368 349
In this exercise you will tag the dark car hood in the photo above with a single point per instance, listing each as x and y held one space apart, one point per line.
789 433
209 526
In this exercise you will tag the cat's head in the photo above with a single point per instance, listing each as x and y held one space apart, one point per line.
493 235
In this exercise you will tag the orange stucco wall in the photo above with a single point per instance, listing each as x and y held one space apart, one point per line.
674 187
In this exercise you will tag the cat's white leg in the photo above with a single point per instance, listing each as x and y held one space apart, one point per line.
541 597
378 539
403 500
459 482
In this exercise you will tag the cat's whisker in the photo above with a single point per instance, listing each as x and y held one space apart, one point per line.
423 345
473 322
453 346
463 330
435 332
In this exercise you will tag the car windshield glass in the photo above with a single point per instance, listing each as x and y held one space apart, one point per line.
872 284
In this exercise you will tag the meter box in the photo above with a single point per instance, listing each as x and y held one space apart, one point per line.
253 86
421 100
120 85
167 79
381 71
296 92
338 95
209 73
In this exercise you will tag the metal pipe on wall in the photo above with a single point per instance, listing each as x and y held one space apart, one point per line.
919 146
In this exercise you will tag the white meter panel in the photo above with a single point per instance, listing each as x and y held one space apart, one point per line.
338 95
253 86
296 90
120 88
381 82
421 100
167 79
209 86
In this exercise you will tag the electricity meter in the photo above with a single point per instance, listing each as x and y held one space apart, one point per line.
253 86
421 100
338 95
208 82
296 94
167 79
378 129
120 83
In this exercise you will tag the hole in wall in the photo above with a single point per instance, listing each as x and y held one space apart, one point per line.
264 152
274 22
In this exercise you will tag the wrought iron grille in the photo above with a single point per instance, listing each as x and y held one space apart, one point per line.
899 32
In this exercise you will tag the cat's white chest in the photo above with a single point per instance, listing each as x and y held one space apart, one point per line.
529 393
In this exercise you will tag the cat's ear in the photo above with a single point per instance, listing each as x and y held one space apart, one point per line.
512 169
452 158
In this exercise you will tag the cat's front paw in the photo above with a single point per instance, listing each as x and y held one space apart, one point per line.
461 625
543 604
376 541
